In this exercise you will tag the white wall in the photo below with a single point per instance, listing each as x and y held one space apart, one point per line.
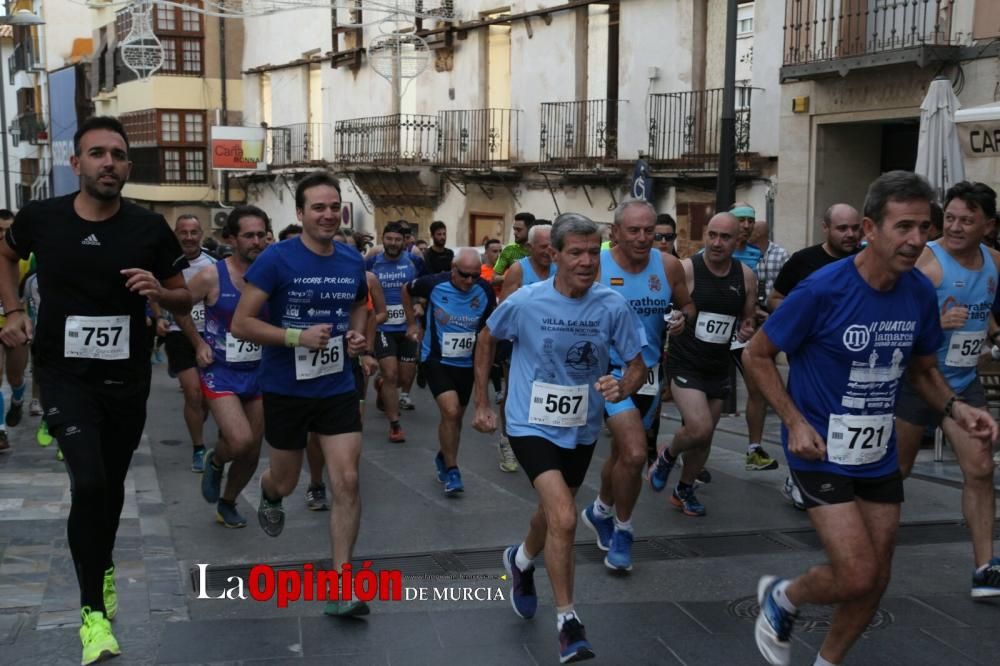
65 21
766 95
283 37
651 33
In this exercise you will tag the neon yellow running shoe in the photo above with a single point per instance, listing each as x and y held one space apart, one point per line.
110 594
59 455
99 643
42 434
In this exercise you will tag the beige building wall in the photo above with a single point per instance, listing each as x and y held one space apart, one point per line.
831 153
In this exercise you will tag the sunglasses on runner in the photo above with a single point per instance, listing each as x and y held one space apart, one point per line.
467 276
664 237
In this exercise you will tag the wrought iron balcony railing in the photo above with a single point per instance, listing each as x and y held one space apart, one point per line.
824 30
579 134
477 138
303 143
398 139
685 129
30 128
18 60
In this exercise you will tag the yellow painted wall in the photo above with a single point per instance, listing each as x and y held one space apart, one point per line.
177 92
166 193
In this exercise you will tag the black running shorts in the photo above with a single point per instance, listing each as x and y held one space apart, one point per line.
823 488
288 420
911 407
180 353
395 344
537 455
442 378
714 388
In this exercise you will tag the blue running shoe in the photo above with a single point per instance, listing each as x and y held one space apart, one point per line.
619 557
658 473
573 644
986 583
688 503
773 630
602 527
441 469
522 585
211 479
198 460
453 484
227 515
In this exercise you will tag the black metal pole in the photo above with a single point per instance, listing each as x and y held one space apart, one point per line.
225 98
725 193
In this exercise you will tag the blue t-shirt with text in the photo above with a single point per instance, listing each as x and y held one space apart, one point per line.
305 288
848 346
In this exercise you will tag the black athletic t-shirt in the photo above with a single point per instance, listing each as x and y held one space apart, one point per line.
801 265
79 275
438 262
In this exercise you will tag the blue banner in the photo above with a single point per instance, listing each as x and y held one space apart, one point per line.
642 183
64 123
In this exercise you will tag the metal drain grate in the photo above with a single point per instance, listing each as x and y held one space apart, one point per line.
810 619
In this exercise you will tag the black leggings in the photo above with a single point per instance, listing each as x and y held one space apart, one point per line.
98 427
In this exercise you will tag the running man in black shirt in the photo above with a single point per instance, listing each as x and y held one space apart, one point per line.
99 260
438 258
842 229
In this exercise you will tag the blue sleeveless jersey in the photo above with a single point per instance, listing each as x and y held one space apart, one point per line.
219 318
392 274
528 274
648 293
975 290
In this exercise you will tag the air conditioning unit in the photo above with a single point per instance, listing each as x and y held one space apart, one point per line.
219 217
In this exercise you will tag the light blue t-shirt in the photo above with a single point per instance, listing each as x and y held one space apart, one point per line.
848 346
975 290
565 342
528 274
749 256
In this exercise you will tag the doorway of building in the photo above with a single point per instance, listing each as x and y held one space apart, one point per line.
849 156
484 226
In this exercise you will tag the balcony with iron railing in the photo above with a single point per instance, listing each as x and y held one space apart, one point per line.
397 140
685 130
579 135
298 145
477 138
29 128
836 36
18 60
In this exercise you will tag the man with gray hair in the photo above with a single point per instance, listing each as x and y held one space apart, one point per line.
650 281
537 266
458 304
562 331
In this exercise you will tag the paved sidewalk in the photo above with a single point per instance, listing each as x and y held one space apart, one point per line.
688 601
